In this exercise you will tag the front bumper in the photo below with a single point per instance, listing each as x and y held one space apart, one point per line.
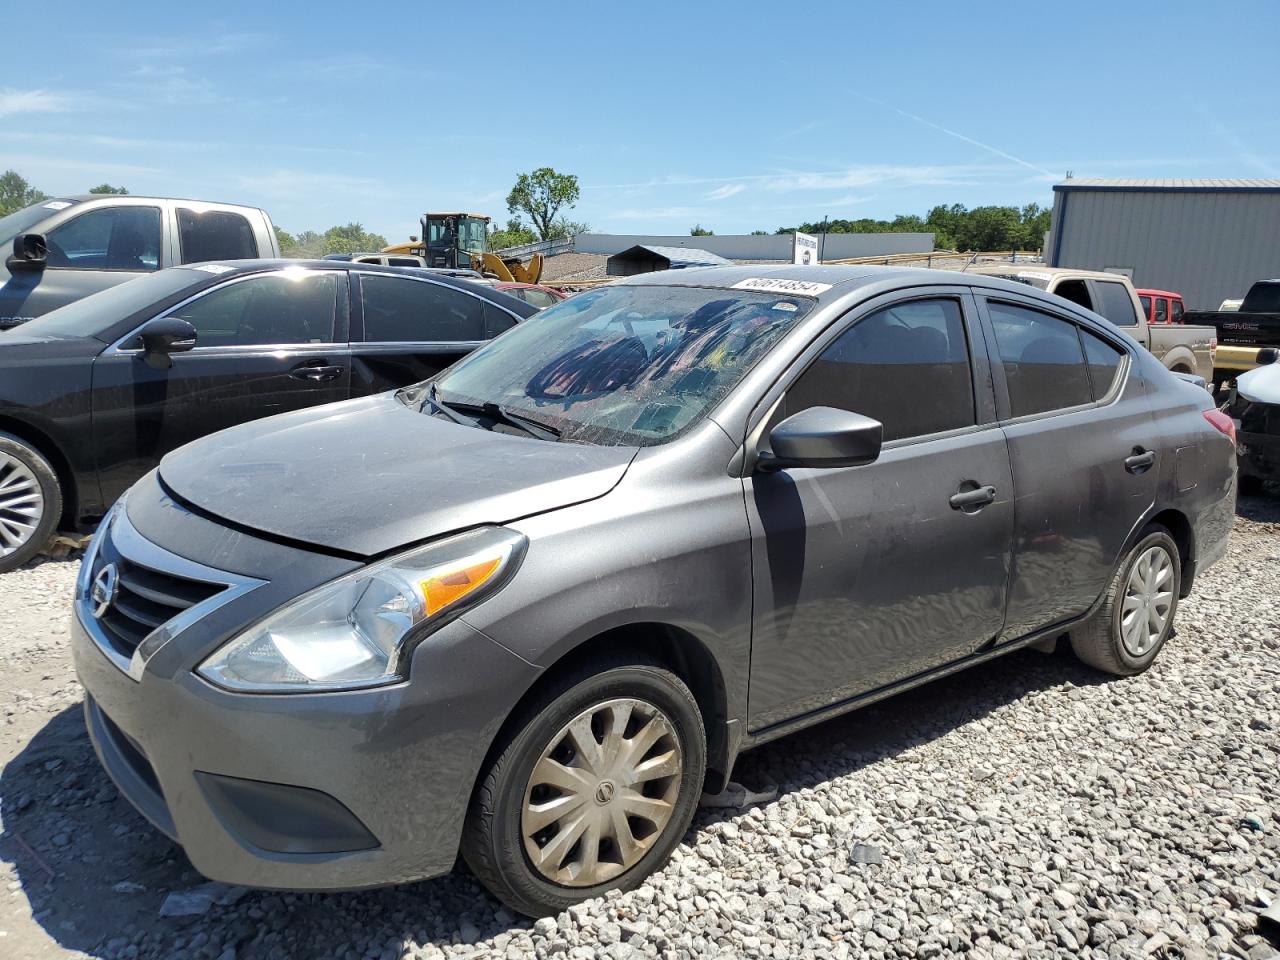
325 791
1259 455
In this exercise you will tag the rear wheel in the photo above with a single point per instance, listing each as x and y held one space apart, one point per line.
30 501
592 792
1137 614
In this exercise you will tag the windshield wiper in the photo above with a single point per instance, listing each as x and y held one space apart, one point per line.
457 410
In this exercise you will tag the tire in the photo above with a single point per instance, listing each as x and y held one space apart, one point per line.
1248 485
500 850
1103 642
30 502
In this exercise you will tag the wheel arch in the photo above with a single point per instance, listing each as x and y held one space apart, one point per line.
1179 527
676 648
45 445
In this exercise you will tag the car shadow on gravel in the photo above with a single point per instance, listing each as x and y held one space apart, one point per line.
95 873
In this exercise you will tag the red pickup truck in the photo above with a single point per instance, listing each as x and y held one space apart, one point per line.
1162 306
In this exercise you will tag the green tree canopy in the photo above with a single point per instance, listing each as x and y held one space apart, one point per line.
515 234
352 238
540 196
698 230
108 188
956 227
16 193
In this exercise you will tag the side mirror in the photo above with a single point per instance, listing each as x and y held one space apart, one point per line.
1267 355
30 251
165 336
823 437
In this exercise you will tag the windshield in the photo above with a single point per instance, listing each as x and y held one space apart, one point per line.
471 235
1038 280
625 365
91 316
20 221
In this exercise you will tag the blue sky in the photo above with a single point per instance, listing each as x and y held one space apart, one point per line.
737 116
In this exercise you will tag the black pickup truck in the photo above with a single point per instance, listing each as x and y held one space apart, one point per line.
1242 333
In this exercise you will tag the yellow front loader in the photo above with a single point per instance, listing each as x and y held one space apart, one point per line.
456 240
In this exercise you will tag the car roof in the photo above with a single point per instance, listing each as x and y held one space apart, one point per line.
225 269
838 280
1152 292
82 197
1005 269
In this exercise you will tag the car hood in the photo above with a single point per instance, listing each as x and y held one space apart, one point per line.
19 347
367 476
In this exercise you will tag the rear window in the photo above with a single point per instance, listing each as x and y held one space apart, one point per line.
1115 303
1262 297
215 235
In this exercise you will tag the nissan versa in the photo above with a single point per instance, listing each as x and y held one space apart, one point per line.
530 609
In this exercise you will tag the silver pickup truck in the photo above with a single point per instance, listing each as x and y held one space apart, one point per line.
60 250
1181 348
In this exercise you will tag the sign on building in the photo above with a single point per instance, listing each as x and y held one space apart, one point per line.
805 249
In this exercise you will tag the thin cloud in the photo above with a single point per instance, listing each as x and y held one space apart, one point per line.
957 135
14 101
727 191
660 213
840 179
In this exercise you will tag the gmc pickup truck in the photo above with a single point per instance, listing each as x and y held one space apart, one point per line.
1181 348
68 248
1244 331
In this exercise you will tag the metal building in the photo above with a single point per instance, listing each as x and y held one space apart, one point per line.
646 258
1206 239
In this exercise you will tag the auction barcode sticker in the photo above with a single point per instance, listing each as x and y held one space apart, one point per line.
774 285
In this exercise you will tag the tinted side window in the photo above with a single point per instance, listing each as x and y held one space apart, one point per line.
906 366
267 310
215 235
1116 305
1162 310
1043 361
496 321
1146 306
400 310
539 298
1175 311
109 238
1104 363
1076 291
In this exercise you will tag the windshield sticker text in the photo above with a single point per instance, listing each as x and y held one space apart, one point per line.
773 285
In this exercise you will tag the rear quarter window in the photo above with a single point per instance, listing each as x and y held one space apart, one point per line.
1115 303
215 235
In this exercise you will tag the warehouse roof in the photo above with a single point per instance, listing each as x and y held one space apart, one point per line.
1184 186
645 256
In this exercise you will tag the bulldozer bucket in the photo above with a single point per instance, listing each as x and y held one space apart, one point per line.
492 264
529 272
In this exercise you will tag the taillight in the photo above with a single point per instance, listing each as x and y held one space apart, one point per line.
1222 423
1213 350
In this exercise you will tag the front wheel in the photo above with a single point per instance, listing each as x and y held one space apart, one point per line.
30 501
592 792
1136 616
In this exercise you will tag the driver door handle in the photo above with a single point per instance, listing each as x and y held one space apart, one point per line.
1140 461
973 498
320 373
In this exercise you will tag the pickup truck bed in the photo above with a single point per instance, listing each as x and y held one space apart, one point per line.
1242 333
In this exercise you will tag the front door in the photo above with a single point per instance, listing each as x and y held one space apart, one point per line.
1081 443
867 575
265 344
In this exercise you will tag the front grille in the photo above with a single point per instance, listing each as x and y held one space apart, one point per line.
144 599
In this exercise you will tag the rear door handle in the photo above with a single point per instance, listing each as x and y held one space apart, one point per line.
969 499
319 374
1140 461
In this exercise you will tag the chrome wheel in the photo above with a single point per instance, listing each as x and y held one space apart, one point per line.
602 793
21 504
1148 599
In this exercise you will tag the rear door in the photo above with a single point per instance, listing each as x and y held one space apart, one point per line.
866 575
407 329
266 344
1082 446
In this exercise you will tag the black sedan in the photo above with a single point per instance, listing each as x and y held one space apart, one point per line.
92 395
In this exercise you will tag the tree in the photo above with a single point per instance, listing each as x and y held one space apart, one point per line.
541 195
955 227
567 228
16 193
760 233
351 238
285 240
698 230
515 234
108 188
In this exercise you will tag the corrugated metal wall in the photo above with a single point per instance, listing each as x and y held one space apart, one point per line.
1206 245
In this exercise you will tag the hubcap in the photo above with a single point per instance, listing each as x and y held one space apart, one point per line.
602 793
1148 598
21 504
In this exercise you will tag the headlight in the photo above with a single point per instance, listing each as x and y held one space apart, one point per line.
358 630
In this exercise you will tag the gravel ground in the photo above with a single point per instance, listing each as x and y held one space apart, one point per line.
1029 807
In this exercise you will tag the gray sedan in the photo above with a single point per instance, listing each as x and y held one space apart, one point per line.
530 610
